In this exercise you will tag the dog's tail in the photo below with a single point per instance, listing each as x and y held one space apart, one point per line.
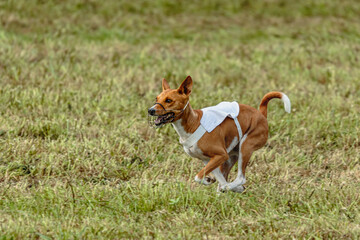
271 95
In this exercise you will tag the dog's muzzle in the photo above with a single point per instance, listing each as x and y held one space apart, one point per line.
167 115
156 120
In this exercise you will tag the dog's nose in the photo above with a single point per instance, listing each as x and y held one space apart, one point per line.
151 111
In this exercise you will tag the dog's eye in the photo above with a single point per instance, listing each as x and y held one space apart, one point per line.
168 100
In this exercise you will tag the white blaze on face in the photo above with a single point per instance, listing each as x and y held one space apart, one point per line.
154 108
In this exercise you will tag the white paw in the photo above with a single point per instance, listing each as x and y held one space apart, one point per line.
205 180
231 187
238 189
223 188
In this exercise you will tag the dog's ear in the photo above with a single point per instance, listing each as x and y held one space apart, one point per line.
186 86
165 85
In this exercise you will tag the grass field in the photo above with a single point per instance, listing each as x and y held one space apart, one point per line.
78 160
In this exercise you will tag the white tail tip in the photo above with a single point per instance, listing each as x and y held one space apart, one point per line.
287 103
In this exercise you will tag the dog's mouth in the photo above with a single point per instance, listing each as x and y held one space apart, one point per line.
161 120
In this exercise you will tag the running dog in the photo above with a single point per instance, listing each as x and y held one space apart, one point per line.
220 135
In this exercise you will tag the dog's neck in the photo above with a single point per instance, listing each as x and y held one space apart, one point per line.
188 123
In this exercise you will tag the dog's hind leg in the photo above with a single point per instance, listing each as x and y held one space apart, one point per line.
220 178
226 167
236 185
249 143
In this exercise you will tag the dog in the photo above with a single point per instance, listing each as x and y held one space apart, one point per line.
232 136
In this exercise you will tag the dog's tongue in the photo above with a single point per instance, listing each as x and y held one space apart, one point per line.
158 120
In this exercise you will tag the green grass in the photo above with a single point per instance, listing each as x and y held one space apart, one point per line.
78 160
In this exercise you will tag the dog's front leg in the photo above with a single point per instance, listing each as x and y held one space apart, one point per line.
213 166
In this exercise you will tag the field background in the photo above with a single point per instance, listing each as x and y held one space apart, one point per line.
78 160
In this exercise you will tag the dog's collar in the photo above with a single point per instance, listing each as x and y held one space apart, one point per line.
181 110
185 106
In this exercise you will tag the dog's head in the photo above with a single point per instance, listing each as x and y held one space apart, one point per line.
170 103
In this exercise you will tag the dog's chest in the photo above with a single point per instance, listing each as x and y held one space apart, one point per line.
195 151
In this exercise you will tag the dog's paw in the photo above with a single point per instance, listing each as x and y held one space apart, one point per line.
238 189
210 180
229 187
205 180
237 185
223 188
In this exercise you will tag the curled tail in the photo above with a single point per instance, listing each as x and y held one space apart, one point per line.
271 95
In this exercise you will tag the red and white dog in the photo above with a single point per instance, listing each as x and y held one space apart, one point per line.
233 140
